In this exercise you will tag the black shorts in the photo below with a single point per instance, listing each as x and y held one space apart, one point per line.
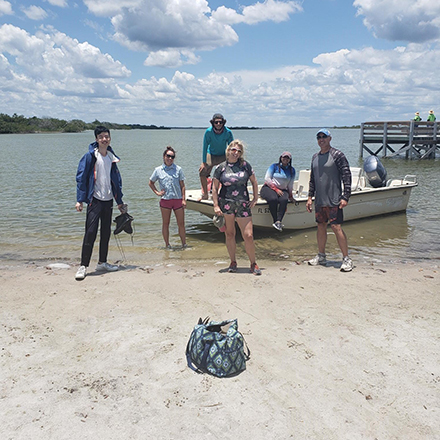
329 214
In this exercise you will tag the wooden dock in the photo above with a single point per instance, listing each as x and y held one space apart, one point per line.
417 140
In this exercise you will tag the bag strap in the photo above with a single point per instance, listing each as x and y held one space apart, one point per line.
189 360
248 354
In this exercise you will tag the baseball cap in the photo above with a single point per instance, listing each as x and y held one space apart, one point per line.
324 131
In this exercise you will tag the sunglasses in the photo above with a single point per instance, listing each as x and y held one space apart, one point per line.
170 156
235 150
322 136
218 122
285 157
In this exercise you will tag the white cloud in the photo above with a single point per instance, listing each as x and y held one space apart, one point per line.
172 30
171 58
60 3
269 10
172 24
108 8
415 21
49 73
50 55
35 12
346 86
5 8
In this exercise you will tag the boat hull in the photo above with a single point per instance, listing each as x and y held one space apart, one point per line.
365 202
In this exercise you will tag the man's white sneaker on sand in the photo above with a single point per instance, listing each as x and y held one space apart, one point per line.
81 273
319 259
347 264
106 267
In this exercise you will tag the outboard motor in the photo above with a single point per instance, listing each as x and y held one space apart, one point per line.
375 172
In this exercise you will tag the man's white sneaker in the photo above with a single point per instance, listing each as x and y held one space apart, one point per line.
106 267
347 265
81 273
319 259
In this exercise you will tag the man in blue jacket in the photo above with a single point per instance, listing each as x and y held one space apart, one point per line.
98 182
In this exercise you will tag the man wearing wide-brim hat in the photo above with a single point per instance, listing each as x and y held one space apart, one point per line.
431 116
216 139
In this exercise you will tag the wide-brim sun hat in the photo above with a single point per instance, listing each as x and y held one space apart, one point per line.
431 111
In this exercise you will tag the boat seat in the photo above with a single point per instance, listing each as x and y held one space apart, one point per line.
356 178
302 186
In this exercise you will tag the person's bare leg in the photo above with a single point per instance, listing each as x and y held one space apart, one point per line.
231 244
204 185
246 228
166 216
180 218
341 238
321 237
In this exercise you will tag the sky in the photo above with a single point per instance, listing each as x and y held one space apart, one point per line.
269 63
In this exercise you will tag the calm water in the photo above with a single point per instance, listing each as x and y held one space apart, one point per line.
39 221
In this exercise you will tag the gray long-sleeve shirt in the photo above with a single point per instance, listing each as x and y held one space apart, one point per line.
328 172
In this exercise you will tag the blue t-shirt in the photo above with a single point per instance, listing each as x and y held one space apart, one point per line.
169 180
216 144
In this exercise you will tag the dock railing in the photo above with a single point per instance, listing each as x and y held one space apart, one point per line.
418 140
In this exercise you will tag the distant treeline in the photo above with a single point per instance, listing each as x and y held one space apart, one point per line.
20 124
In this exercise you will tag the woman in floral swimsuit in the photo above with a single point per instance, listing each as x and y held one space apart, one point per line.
232 201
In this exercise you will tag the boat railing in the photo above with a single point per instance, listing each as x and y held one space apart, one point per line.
409 179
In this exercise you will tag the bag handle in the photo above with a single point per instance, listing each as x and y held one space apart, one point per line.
189 360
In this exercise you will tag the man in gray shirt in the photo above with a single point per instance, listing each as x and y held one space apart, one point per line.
329 171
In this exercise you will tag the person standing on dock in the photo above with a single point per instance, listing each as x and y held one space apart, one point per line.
417 117
431 116
216 139
329 170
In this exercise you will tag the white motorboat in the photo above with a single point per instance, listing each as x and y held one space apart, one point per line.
365 201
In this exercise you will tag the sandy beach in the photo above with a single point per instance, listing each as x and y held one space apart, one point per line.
333 355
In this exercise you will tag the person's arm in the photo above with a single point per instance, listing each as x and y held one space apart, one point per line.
254 183
116 179
152 185
216 186
290 185
344 170
311 189
81 183
182 187
205 147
